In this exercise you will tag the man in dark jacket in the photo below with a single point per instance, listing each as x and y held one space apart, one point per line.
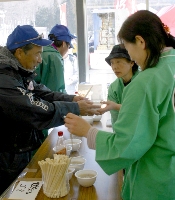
26 108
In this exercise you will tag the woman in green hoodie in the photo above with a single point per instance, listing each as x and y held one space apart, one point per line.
144 139
51 71
126 70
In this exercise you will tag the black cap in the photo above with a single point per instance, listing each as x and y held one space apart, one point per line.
117 52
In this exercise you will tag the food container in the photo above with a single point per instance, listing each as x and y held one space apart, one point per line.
89 119
74 143
54 176
70 172
97 118
86 177
68 150
77 163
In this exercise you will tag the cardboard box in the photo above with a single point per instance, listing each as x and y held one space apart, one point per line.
91 91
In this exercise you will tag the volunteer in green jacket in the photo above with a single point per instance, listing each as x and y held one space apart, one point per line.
144 139
126 70
51 71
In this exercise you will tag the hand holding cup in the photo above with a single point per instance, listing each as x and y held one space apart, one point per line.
76 125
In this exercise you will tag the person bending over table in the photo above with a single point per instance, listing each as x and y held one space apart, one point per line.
144 134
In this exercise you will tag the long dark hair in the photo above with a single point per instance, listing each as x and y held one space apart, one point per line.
135 67
149 26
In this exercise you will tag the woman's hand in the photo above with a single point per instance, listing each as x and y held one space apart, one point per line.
110 105
76 125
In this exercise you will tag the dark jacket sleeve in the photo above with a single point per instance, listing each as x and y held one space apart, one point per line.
45 93
25 106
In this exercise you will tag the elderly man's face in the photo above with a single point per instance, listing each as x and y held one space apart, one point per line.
30 59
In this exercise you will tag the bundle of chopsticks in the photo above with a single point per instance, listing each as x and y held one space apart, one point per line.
54 176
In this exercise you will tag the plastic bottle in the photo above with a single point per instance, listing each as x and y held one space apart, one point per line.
60 147
77 94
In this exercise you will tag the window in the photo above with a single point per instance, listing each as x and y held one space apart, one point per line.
104 18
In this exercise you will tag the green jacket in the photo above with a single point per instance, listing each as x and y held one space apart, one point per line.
144 139
51 71
115 92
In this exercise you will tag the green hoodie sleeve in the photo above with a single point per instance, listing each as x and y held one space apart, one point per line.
114 94
135 129
51 71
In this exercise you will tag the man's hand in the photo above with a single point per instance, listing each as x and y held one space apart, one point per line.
78 98
87 108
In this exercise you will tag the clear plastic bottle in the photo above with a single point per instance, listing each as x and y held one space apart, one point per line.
60 146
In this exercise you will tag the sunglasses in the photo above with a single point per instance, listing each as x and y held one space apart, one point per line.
41 36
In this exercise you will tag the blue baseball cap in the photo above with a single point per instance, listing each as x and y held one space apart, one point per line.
23 35
62 33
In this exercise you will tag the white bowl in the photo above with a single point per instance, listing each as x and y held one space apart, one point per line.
77 163
76 137
97 118
74 143
70 172
86 177
68 150
97 102
89 119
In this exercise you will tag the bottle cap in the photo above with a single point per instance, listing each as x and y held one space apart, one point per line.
60 133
